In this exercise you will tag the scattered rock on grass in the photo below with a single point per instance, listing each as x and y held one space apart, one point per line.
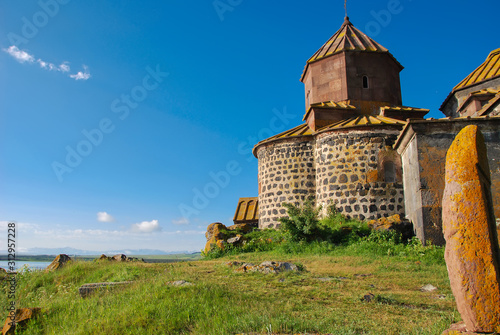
325 279
362 275
237 240
264 267
428 288
58 263
120 258
179 283
368 297
88 289
22 316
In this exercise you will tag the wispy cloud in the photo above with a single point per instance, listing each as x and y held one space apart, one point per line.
181 221
104 217
24 57
19 55
146 227
81 75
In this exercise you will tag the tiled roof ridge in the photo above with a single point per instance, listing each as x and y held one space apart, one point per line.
347 38
489 69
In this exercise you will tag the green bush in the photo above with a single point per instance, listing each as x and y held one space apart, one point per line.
302 232
302 223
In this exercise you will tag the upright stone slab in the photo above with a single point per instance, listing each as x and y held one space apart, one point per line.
472 253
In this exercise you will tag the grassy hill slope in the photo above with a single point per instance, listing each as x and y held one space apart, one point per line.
325 298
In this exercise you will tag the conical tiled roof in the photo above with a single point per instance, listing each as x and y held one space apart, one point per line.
347 38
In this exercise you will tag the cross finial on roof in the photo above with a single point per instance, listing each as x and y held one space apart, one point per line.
345 7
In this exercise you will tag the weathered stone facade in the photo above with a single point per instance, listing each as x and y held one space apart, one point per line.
355 170
359 173
361 150
423 145
286 174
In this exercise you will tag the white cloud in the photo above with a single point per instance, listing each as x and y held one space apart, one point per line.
20 55
64 67
104 217
146 227
181 221
81 75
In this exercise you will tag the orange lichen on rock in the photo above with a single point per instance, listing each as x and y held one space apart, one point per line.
472 252
22 315
385 223
59 262
215 236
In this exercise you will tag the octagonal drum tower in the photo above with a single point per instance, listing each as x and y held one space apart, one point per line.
342 155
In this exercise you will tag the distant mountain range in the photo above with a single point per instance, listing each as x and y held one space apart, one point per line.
73 251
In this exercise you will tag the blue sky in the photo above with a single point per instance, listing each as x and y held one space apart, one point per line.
128 125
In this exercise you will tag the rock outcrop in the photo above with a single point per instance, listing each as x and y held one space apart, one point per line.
472 251
58 263
22 316
394 222
241 227
218 235
215 236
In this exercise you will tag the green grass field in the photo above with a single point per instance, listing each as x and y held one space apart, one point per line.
325 298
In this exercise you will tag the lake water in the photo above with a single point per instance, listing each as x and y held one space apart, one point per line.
31 265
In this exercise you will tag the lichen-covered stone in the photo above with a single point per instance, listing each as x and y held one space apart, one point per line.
394 222
472 252
58 262
237 240
214 230
22 315
103 257
215 236
242 227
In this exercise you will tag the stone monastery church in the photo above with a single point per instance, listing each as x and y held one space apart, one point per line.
361 149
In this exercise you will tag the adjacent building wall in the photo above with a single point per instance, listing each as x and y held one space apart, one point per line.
423 147
456 99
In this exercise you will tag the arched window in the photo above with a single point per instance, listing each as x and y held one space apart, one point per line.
389 172
365 81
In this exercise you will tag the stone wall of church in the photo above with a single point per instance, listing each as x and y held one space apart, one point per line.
286 174
359 172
